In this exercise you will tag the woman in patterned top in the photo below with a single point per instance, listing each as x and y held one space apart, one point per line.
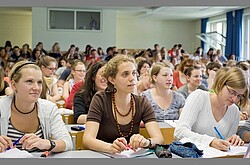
166 103
36 122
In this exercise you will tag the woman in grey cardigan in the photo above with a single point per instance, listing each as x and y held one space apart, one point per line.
28 122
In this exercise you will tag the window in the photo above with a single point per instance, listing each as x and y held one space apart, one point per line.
246 38
217 30
72 19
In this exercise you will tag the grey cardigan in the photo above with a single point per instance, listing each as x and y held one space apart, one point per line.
51 121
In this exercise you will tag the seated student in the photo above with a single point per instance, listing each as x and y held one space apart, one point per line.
93 82
74 90
78 72
211 69
25 115
4 86
167 104
114 116
205 110
244 131
194 79
48 67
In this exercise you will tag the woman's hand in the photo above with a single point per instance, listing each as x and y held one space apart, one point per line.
235 140
5 142
220 144
243 115
119 145
138 141
30 141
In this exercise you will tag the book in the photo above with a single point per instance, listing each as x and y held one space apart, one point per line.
131 154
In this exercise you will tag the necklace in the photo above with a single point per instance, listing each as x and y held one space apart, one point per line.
130 109
25 113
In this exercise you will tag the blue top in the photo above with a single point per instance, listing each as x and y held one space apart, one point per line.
172 112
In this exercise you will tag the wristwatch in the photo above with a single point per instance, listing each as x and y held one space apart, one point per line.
52 145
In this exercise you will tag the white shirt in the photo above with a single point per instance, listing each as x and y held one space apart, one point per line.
197 122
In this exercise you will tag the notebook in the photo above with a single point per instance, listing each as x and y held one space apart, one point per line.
247 153
131 154
16 153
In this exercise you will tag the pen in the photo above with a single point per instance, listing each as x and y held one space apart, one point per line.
220 135
15 143
127 146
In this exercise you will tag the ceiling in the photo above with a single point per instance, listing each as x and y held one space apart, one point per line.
157 12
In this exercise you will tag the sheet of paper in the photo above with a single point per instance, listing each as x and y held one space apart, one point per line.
173 123
16 153
210 152
130 153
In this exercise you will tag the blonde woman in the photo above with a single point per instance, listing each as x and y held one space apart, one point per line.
205 110
78 72
36 122
167 104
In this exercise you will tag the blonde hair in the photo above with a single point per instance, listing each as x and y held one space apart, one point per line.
234 78
16 71
1 78
155 69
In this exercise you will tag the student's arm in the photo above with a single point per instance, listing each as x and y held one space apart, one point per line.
8 91
90 141
65 94
56 95
154 133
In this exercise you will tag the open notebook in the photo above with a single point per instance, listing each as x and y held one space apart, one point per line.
210 152
16 153
131 154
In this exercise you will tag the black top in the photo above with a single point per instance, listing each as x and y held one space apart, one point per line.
5 86
79 106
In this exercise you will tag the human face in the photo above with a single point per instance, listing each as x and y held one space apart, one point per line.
125 79
232 95
49 70
195 78
63 63
164 78
100 82
145 67
79 72
29 86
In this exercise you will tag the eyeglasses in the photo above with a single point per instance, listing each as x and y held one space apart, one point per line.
232 93
80 71
51 69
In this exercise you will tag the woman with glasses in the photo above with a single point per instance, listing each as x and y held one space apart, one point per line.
204 111
48 66
78 72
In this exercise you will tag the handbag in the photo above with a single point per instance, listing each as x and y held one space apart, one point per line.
185 150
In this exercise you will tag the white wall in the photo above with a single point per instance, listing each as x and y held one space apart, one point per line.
142 33
16 28
40 32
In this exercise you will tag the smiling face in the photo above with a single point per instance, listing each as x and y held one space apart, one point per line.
100 81
195 78
29 86
125 79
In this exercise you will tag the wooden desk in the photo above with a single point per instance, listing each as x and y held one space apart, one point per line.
68 119
166 129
